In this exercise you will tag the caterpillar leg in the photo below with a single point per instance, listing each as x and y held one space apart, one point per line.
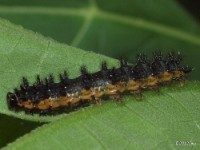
29 111
181 82
155 88
137 94
116 97
97 100
44 112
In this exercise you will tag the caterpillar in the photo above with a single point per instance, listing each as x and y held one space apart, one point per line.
46 97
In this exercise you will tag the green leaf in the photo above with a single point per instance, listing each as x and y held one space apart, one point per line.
24 53
120 28
115 28
156 122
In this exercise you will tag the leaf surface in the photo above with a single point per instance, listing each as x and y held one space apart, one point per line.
159 121
120 28
25 53
114 28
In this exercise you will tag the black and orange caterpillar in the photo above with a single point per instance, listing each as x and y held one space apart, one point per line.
48 97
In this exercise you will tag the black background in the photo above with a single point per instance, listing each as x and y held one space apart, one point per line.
192 6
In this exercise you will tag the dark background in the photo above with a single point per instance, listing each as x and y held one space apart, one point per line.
192 6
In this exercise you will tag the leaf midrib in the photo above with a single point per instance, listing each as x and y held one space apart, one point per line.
92 11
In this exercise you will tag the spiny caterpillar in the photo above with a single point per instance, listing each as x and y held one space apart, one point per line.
48 97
